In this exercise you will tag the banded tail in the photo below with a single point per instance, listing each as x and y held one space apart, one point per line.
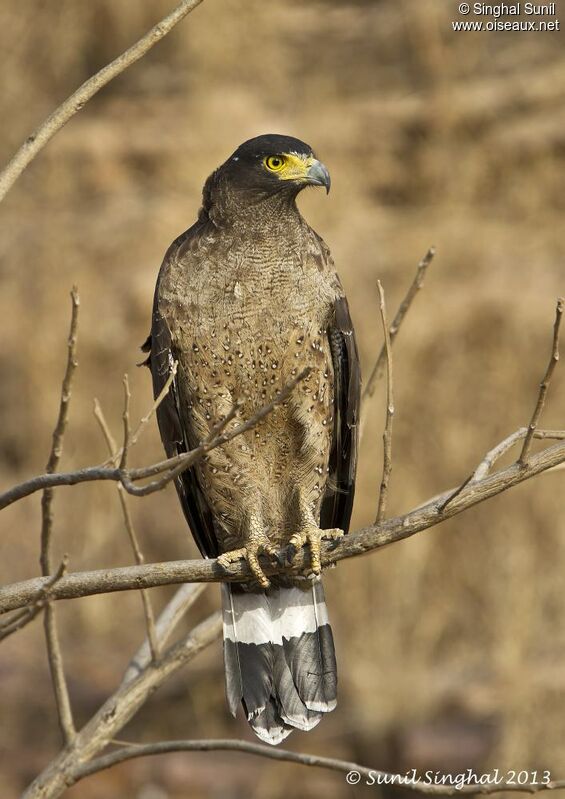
279 658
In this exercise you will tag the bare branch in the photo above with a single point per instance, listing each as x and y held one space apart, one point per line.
106 432
55 121
128 521
492 456
26 615
173 466
544 385
158 400
117 710
125 417
134 437
372 776
403 309
527 433
171 615
215 439
365 540
387 435
50 621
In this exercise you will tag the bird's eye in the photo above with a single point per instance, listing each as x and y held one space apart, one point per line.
274 163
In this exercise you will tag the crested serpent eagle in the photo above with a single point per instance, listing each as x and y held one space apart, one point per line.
245 300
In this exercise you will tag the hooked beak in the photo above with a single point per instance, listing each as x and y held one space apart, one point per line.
318 175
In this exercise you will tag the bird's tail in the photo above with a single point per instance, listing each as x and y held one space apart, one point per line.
279 658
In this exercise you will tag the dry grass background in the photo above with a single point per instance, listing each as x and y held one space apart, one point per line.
451 645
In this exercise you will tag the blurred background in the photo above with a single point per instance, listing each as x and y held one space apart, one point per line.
451 645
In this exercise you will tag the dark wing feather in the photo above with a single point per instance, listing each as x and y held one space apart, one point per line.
175 438
337 503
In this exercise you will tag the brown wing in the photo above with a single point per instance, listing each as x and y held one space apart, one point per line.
337 503
176 438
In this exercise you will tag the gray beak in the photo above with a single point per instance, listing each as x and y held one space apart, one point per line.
318 175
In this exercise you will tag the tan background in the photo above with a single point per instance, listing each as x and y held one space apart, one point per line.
451 645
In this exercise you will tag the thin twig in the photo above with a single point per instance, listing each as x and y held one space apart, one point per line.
26 615
134 437
55 121
106 432
173 466
54 653
215 439
403 309
527 433
495 454
158 400
125 417
544 385
365 540
128 521
355 772
387 435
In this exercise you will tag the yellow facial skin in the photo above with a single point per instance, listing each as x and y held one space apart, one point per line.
289 166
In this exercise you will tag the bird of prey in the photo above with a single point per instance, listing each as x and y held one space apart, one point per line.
245 300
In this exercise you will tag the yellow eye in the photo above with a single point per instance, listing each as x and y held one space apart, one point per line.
274 162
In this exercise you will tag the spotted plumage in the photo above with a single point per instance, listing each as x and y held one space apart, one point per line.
245 299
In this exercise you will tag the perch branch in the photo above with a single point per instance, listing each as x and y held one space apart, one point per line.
544 385
55 121
387 435
358 543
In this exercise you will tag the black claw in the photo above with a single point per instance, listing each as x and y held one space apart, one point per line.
289 555
279 558
333 544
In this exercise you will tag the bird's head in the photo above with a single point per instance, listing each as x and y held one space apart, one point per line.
272 164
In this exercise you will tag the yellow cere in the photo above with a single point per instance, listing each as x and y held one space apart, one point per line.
289 166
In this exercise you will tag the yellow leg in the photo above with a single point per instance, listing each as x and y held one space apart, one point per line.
313 536
310 533
256 543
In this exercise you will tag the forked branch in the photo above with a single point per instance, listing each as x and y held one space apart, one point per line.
169 469
544 385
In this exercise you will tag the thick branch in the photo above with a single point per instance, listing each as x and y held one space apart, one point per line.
25 616
363 541
117 711
170 616
55 121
